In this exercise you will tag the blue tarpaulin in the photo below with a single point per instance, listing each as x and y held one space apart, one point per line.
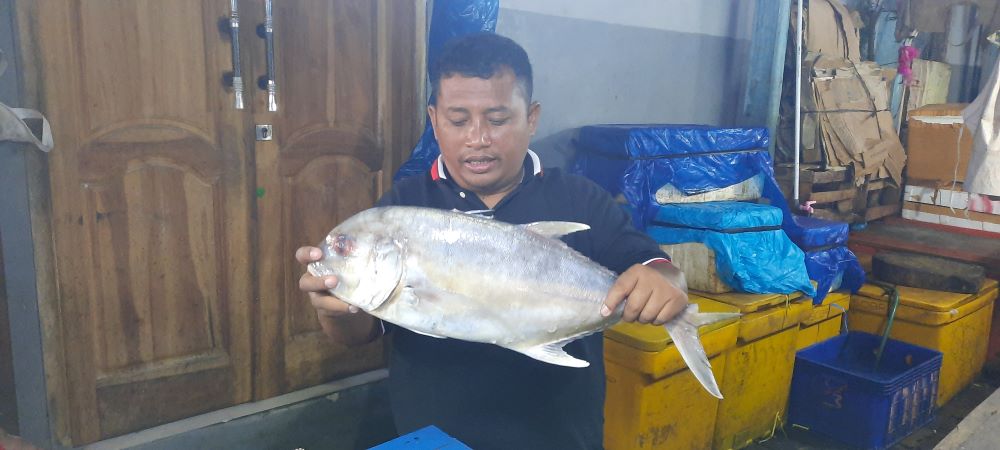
718 216
810 232
827 266
636 160
449 19
761 262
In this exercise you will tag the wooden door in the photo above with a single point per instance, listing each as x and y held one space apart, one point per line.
151 210
346 75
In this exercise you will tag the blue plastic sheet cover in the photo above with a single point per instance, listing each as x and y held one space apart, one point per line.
718 216
762 262
652 140
666 150
825 266
636 160
449 19
811 233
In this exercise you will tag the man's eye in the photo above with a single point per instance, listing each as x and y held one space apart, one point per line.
498 122
458 123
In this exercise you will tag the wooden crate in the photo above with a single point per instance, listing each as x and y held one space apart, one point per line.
836 196
831 188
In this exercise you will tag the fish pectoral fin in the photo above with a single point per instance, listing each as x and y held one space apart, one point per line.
554 229
424 333
554 354
383 279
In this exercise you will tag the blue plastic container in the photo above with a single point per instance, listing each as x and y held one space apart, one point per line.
837 392
427 438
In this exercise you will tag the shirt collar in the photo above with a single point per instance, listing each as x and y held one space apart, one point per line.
531 160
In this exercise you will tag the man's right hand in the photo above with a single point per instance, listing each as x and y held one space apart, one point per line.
336 317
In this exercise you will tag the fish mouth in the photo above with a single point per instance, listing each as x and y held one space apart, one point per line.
480 164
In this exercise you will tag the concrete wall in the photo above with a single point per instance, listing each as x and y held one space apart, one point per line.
637 61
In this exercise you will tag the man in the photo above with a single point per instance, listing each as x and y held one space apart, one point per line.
486 396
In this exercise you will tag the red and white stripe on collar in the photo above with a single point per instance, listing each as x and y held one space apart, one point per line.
438 172
657 261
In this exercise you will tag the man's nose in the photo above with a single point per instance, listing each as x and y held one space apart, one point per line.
478 135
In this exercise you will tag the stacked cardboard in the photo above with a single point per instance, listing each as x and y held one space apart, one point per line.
855 124
846 121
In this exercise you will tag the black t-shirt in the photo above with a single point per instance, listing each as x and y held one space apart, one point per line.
491 397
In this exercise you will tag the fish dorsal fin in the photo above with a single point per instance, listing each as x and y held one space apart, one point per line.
386 273
554 354
555 230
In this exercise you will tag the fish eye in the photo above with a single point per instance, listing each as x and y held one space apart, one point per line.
343 245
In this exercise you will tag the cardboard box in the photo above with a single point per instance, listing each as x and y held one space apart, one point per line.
931 80
933 143
830 30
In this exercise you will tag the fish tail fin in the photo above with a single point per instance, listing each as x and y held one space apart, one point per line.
683 330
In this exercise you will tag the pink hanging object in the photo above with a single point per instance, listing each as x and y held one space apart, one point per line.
907 54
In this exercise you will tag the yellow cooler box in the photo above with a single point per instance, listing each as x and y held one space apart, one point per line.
758 370
653 400
823 321
957 325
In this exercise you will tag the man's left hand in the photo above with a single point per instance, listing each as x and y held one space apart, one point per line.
656 293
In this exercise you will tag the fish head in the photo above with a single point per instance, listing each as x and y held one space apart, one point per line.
368 265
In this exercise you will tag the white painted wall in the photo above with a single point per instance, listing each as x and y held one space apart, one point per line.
710 17
629 61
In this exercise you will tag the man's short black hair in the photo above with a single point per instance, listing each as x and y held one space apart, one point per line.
481 55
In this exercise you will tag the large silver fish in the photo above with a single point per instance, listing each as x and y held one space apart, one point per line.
454 275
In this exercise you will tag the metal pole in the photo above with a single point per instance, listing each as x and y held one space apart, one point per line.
798 101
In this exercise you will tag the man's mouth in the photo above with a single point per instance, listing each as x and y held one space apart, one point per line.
480 164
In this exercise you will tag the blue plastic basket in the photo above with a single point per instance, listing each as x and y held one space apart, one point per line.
427 438
837 392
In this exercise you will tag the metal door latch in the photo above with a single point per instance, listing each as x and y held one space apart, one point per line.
265 132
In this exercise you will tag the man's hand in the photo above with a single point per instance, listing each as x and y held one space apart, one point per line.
336 317
655 293
319 288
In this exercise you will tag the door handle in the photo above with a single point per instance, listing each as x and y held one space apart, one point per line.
234 32
266 31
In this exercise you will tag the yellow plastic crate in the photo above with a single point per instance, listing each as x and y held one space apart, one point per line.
758 370
957 325
653 400
823 321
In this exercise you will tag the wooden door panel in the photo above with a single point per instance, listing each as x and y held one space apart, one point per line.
325 52
335 141
146 58
151 211
333 188
153 234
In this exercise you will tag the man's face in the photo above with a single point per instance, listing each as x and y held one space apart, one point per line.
483 127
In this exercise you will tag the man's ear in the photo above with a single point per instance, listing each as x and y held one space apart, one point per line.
432 113
534 111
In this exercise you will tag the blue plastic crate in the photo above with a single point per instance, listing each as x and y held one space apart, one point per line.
427 438
837 392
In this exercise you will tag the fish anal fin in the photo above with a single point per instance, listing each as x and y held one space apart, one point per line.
683 330
554 229
554 354
424 333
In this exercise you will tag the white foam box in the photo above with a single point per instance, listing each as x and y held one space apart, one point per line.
955 217
951 198
698 263
749 189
